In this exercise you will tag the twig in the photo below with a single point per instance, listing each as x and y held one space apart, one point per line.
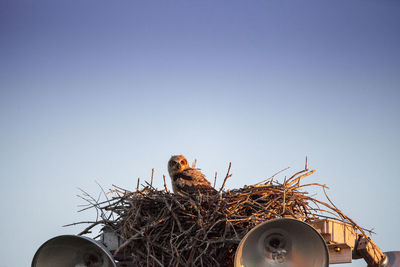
297 180
152 176
306 164
165 184
272 177
226 178
126 243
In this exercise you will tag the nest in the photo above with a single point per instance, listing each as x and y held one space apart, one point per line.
159 228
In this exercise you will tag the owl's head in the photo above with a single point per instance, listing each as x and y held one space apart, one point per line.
177 164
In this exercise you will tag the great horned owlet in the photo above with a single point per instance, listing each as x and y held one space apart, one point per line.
186 180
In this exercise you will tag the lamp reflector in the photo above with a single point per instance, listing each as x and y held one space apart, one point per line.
72 251
282 243
392 259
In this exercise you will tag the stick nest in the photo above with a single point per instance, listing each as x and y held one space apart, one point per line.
159 228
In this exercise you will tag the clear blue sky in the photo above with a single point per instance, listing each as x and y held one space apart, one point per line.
106 90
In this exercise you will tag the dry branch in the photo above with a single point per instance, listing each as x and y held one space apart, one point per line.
163 229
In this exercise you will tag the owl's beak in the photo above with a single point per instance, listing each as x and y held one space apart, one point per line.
177 165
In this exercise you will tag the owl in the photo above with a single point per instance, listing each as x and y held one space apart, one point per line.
186 180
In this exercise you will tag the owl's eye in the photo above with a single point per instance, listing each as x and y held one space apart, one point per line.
183 162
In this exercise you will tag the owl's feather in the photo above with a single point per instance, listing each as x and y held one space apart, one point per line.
186 180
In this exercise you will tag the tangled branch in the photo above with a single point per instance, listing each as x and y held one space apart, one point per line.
163 229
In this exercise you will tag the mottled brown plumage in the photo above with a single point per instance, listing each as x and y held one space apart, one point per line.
186 180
